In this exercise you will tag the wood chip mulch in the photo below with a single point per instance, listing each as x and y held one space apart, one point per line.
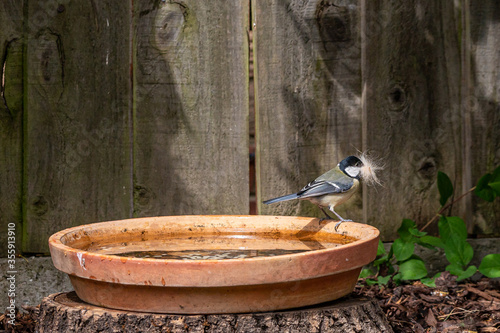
25 321
450 307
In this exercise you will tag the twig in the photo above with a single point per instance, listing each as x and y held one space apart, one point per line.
482 294
402 301
445 207
452 313
401 321
21 256
493 292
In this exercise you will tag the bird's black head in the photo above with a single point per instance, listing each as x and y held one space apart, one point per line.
351 166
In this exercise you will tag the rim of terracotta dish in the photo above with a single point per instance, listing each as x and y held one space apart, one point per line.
211 272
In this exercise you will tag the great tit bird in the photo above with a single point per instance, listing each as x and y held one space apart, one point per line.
335 186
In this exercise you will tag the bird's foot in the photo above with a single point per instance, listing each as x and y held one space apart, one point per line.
340 222
326 219
340 218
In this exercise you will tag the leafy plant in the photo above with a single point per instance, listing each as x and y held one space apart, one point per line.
401 264
458 251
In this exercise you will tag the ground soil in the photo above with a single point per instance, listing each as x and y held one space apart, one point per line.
450 307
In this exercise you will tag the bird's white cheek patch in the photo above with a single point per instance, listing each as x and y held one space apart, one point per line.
352 171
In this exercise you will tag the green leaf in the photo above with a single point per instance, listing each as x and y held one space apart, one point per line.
371 282
495 181
366 272
427 246
458 251
380 261
404 230
402 250
412 269
471 270
431 240
460 272
430 282
483 190
381 249
453 233
397 279
415 232
445 187
454 268
488 186
391 269
490 266
452 226
383 280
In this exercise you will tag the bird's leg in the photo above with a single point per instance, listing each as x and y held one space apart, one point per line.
340 217
328 217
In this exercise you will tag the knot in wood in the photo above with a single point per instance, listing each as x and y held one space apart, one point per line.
40 206
170 22
428 169
142 195
397 98
334 24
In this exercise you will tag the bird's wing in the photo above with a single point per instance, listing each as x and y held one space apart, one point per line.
332 175
333 181
317 188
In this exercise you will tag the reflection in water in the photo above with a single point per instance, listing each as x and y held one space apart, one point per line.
208 254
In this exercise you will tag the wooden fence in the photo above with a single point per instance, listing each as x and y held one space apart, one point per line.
113 109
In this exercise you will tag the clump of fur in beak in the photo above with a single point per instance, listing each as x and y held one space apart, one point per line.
369 169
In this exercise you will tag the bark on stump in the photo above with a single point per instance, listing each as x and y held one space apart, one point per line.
65 312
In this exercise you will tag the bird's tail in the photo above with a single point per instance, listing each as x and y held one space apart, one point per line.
283 198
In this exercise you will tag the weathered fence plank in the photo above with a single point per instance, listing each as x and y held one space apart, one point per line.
191 108
411 75
111 127
482 109
77 158
308 87
11 117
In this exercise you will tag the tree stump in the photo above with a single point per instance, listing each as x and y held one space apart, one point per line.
65 312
